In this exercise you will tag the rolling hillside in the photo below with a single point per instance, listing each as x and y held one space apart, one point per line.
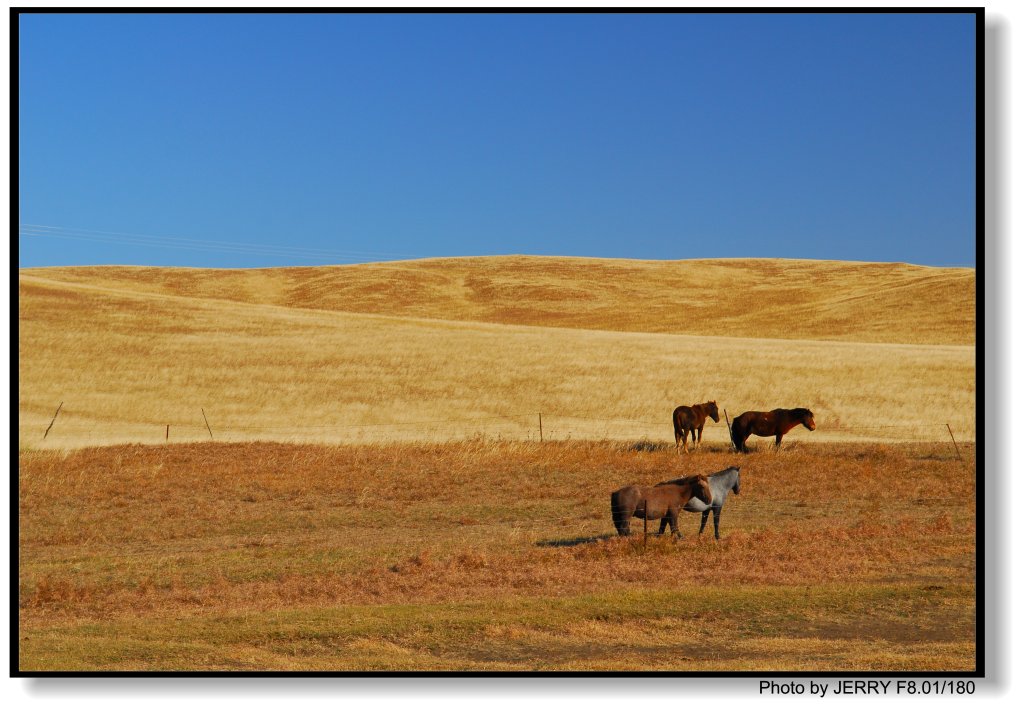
789 299
445 349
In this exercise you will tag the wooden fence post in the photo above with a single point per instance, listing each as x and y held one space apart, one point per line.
167 435
207 424
958 455
540 424
53 420
728 428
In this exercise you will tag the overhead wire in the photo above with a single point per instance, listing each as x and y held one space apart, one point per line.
206 245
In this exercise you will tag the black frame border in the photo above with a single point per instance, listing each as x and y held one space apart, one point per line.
980 233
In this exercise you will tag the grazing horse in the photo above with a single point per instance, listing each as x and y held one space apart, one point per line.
767 423
661 501
690 419
721 484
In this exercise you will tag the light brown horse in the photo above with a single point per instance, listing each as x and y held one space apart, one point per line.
690 419
661 501
777 422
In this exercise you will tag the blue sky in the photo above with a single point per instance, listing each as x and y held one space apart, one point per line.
240 140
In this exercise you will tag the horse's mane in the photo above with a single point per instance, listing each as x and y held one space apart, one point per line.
693 479
689 479
723 471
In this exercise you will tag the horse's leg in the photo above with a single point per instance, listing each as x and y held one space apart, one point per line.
677 441
703 521
778 439
718 514
673 520
623 527
700 434
664 522
621 524
741 442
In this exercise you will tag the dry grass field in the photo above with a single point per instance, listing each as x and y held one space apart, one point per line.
490 555
130 351
376 495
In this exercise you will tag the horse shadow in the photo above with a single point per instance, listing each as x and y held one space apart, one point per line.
648 446
590 540
651 446
572 542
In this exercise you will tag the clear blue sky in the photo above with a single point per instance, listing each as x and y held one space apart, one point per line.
240 140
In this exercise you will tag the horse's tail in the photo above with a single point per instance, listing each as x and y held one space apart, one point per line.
620 516
735 434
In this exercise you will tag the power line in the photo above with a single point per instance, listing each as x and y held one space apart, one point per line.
185 243
40 229
109 240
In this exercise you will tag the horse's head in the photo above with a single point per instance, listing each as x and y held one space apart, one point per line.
736 486
807 419
702 489
712 408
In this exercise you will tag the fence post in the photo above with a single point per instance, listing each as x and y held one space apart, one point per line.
207 424
53 420
167 435
728 428
958 455
540 424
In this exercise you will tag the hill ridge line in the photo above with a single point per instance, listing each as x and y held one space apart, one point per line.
511 257
457 324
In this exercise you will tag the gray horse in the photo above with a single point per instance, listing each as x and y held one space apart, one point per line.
721 483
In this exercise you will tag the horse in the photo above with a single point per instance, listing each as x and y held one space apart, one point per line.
777 422
690 419
661 501
721 483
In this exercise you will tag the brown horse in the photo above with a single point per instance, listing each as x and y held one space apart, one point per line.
690 419
661 501
767 423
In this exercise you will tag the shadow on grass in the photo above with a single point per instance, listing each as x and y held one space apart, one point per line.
635 537
648 446
652 446
570 542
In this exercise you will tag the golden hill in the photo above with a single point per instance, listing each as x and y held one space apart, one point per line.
364 353
787 299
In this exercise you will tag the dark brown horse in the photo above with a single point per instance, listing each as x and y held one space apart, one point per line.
690 419
767 423
662 501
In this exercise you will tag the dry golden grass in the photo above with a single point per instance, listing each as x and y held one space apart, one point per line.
442 534
126 363
772 298
488 555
